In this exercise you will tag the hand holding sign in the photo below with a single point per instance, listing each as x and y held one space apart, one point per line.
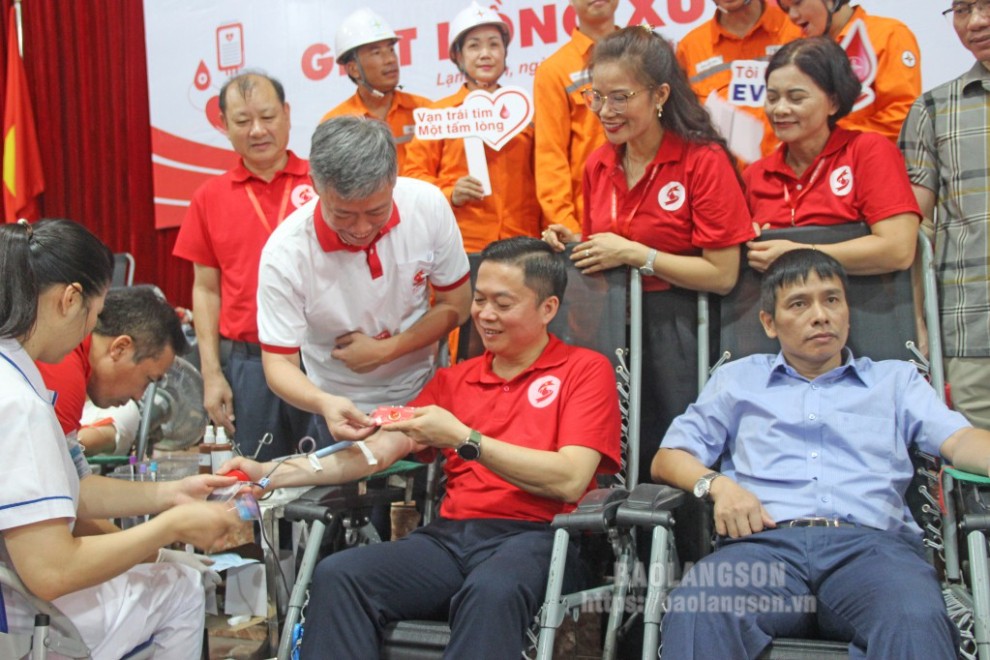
491 118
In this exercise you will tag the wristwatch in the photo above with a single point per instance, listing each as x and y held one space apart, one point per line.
647 268
703 486
470 449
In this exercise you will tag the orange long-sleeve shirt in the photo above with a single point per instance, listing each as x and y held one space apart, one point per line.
567 131
399 118
511 209
898 79
707 52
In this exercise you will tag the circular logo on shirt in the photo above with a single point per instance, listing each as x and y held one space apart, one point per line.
543 391
909 59
302 194
841 181
672 196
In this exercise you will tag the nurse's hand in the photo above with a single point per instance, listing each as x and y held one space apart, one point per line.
196 487
203 524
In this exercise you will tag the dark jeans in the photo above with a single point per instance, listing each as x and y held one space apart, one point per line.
258 410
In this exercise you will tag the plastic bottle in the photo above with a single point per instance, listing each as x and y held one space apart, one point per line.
206 450
223 450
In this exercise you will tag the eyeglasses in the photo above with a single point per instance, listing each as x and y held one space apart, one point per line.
961 11
617 100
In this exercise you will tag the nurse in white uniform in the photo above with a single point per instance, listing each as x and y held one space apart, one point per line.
55 275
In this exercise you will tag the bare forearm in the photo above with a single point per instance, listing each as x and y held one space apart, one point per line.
871 255
103 497
287 380
97 439
562 475
52 563
715 271
429 329
971 451
343 466
206 317
677 468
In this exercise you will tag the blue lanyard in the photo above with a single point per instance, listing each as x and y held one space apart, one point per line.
26 379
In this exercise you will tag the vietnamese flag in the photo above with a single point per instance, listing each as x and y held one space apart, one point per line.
23 179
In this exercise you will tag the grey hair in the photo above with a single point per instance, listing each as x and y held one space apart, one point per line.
353 156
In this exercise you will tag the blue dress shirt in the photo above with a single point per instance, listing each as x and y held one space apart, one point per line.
836 446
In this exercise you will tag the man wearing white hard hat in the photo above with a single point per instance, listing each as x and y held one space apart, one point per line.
479 40
365 45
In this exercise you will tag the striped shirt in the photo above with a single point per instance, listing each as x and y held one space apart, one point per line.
946 145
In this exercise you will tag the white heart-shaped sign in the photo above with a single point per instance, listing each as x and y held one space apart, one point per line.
494 117
499 116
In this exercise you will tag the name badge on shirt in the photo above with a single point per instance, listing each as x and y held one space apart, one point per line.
711 62
748 86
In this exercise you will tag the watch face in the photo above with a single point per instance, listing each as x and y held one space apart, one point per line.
469 451
701 487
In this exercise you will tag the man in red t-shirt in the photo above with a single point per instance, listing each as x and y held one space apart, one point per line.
136 339
228 223
524 429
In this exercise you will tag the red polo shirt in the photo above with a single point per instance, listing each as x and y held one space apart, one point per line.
567 397
857 176
688 199
225 229
69 378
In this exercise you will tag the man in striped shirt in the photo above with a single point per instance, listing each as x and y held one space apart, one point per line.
946 144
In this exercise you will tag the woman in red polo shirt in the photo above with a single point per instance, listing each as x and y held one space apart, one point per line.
823 174
662 196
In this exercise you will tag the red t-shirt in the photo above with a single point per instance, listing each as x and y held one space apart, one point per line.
567 397
69 378
224 229
857 176
689 199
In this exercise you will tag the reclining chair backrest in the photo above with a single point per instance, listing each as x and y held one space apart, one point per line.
881 307
592 313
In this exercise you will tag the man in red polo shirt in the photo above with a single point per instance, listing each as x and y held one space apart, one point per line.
228 223
524 429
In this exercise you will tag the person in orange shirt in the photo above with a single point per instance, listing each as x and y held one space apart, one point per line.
884 54
562 147
365 45
748 32
479 39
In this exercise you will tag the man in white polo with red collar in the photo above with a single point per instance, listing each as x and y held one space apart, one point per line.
345 282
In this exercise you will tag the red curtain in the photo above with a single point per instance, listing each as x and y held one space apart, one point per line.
87 73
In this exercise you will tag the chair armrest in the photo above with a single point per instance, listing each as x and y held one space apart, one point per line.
650 505
595 512
324 502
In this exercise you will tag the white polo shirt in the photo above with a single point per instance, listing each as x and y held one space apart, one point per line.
313 288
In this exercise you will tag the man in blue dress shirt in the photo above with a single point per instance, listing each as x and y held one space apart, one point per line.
815 533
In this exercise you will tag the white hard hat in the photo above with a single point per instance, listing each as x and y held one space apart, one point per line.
359 29
473 16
